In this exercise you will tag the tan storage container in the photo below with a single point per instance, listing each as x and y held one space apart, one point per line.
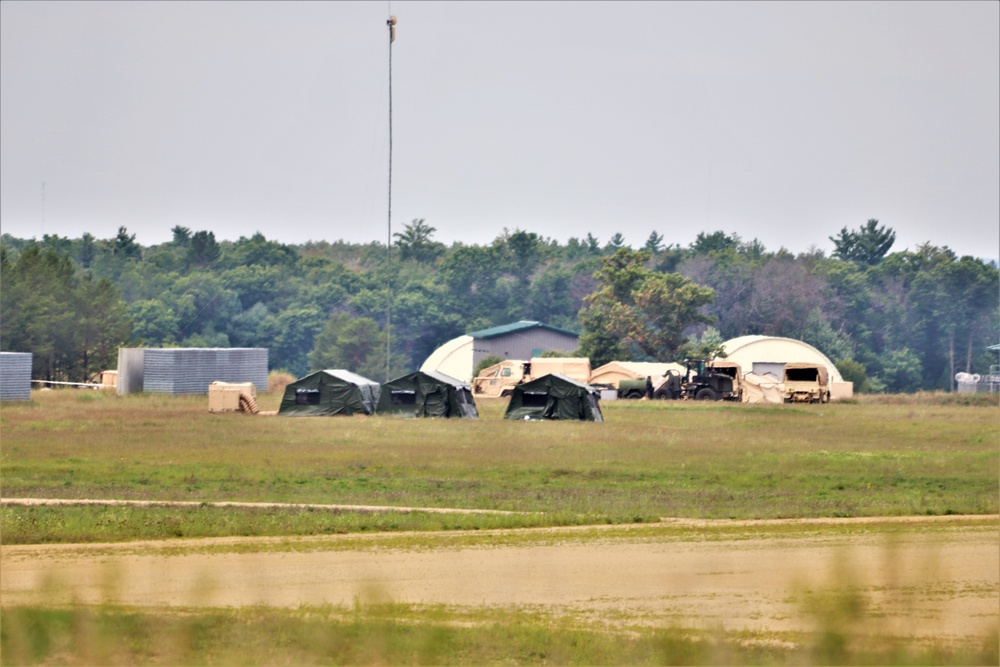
225 396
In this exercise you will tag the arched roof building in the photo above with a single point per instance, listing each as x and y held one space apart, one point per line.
454 358
769 354
518 340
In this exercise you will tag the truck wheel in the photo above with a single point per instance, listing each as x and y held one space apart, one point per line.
706 394
634 393
663 394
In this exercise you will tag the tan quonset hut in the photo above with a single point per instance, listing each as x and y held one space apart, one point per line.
762 360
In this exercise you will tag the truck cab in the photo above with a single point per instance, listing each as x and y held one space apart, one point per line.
806 383
500 379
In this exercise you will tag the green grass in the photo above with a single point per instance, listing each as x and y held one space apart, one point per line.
647 460
885 456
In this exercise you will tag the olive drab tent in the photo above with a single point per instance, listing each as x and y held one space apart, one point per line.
427 394
554 396
330 392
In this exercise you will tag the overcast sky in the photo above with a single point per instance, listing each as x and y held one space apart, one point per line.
778 121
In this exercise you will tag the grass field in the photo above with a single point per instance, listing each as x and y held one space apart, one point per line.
895 456
647 460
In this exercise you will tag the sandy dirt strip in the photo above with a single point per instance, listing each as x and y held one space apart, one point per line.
938 578
189 503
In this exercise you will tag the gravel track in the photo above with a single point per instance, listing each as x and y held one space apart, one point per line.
939 578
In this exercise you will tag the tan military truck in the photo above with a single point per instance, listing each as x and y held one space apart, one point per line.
500 379
806 383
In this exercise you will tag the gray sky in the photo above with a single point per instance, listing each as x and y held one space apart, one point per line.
778 121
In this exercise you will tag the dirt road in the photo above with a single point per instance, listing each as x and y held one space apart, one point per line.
926 581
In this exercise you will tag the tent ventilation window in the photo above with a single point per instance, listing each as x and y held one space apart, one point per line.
403 398
307 396
534 399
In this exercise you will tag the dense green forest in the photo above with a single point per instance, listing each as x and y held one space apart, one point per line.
892 321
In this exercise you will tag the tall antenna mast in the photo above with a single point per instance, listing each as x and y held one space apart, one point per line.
391 23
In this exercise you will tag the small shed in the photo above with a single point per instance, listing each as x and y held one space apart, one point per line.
188 370
427 394
15 376
554 396
330 392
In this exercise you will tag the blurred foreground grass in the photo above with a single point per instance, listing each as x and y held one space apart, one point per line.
405 634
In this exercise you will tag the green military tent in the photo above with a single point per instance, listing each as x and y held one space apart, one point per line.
330 392
427 394
554 396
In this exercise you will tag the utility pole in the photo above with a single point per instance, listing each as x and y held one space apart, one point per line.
391 23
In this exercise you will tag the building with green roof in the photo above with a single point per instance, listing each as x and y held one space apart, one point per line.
521 340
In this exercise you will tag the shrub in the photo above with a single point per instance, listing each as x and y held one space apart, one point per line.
277 380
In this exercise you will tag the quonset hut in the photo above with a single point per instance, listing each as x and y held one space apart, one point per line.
518 340
429 394
763 359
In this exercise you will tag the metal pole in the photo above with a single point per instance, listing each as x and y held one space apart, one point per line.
391 23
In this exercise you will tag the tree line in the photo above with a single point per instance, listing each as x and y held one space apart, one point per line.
891 321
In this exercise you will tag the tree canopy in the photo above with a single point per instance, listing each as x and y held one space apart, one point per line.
892 321
866 246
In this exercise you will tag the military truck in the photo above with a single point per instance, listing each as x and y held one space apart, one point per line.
635 388
701 382
806 383
733 370
500 379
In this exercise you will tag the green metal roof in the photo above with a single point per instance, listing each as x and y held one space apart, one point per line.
514 327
